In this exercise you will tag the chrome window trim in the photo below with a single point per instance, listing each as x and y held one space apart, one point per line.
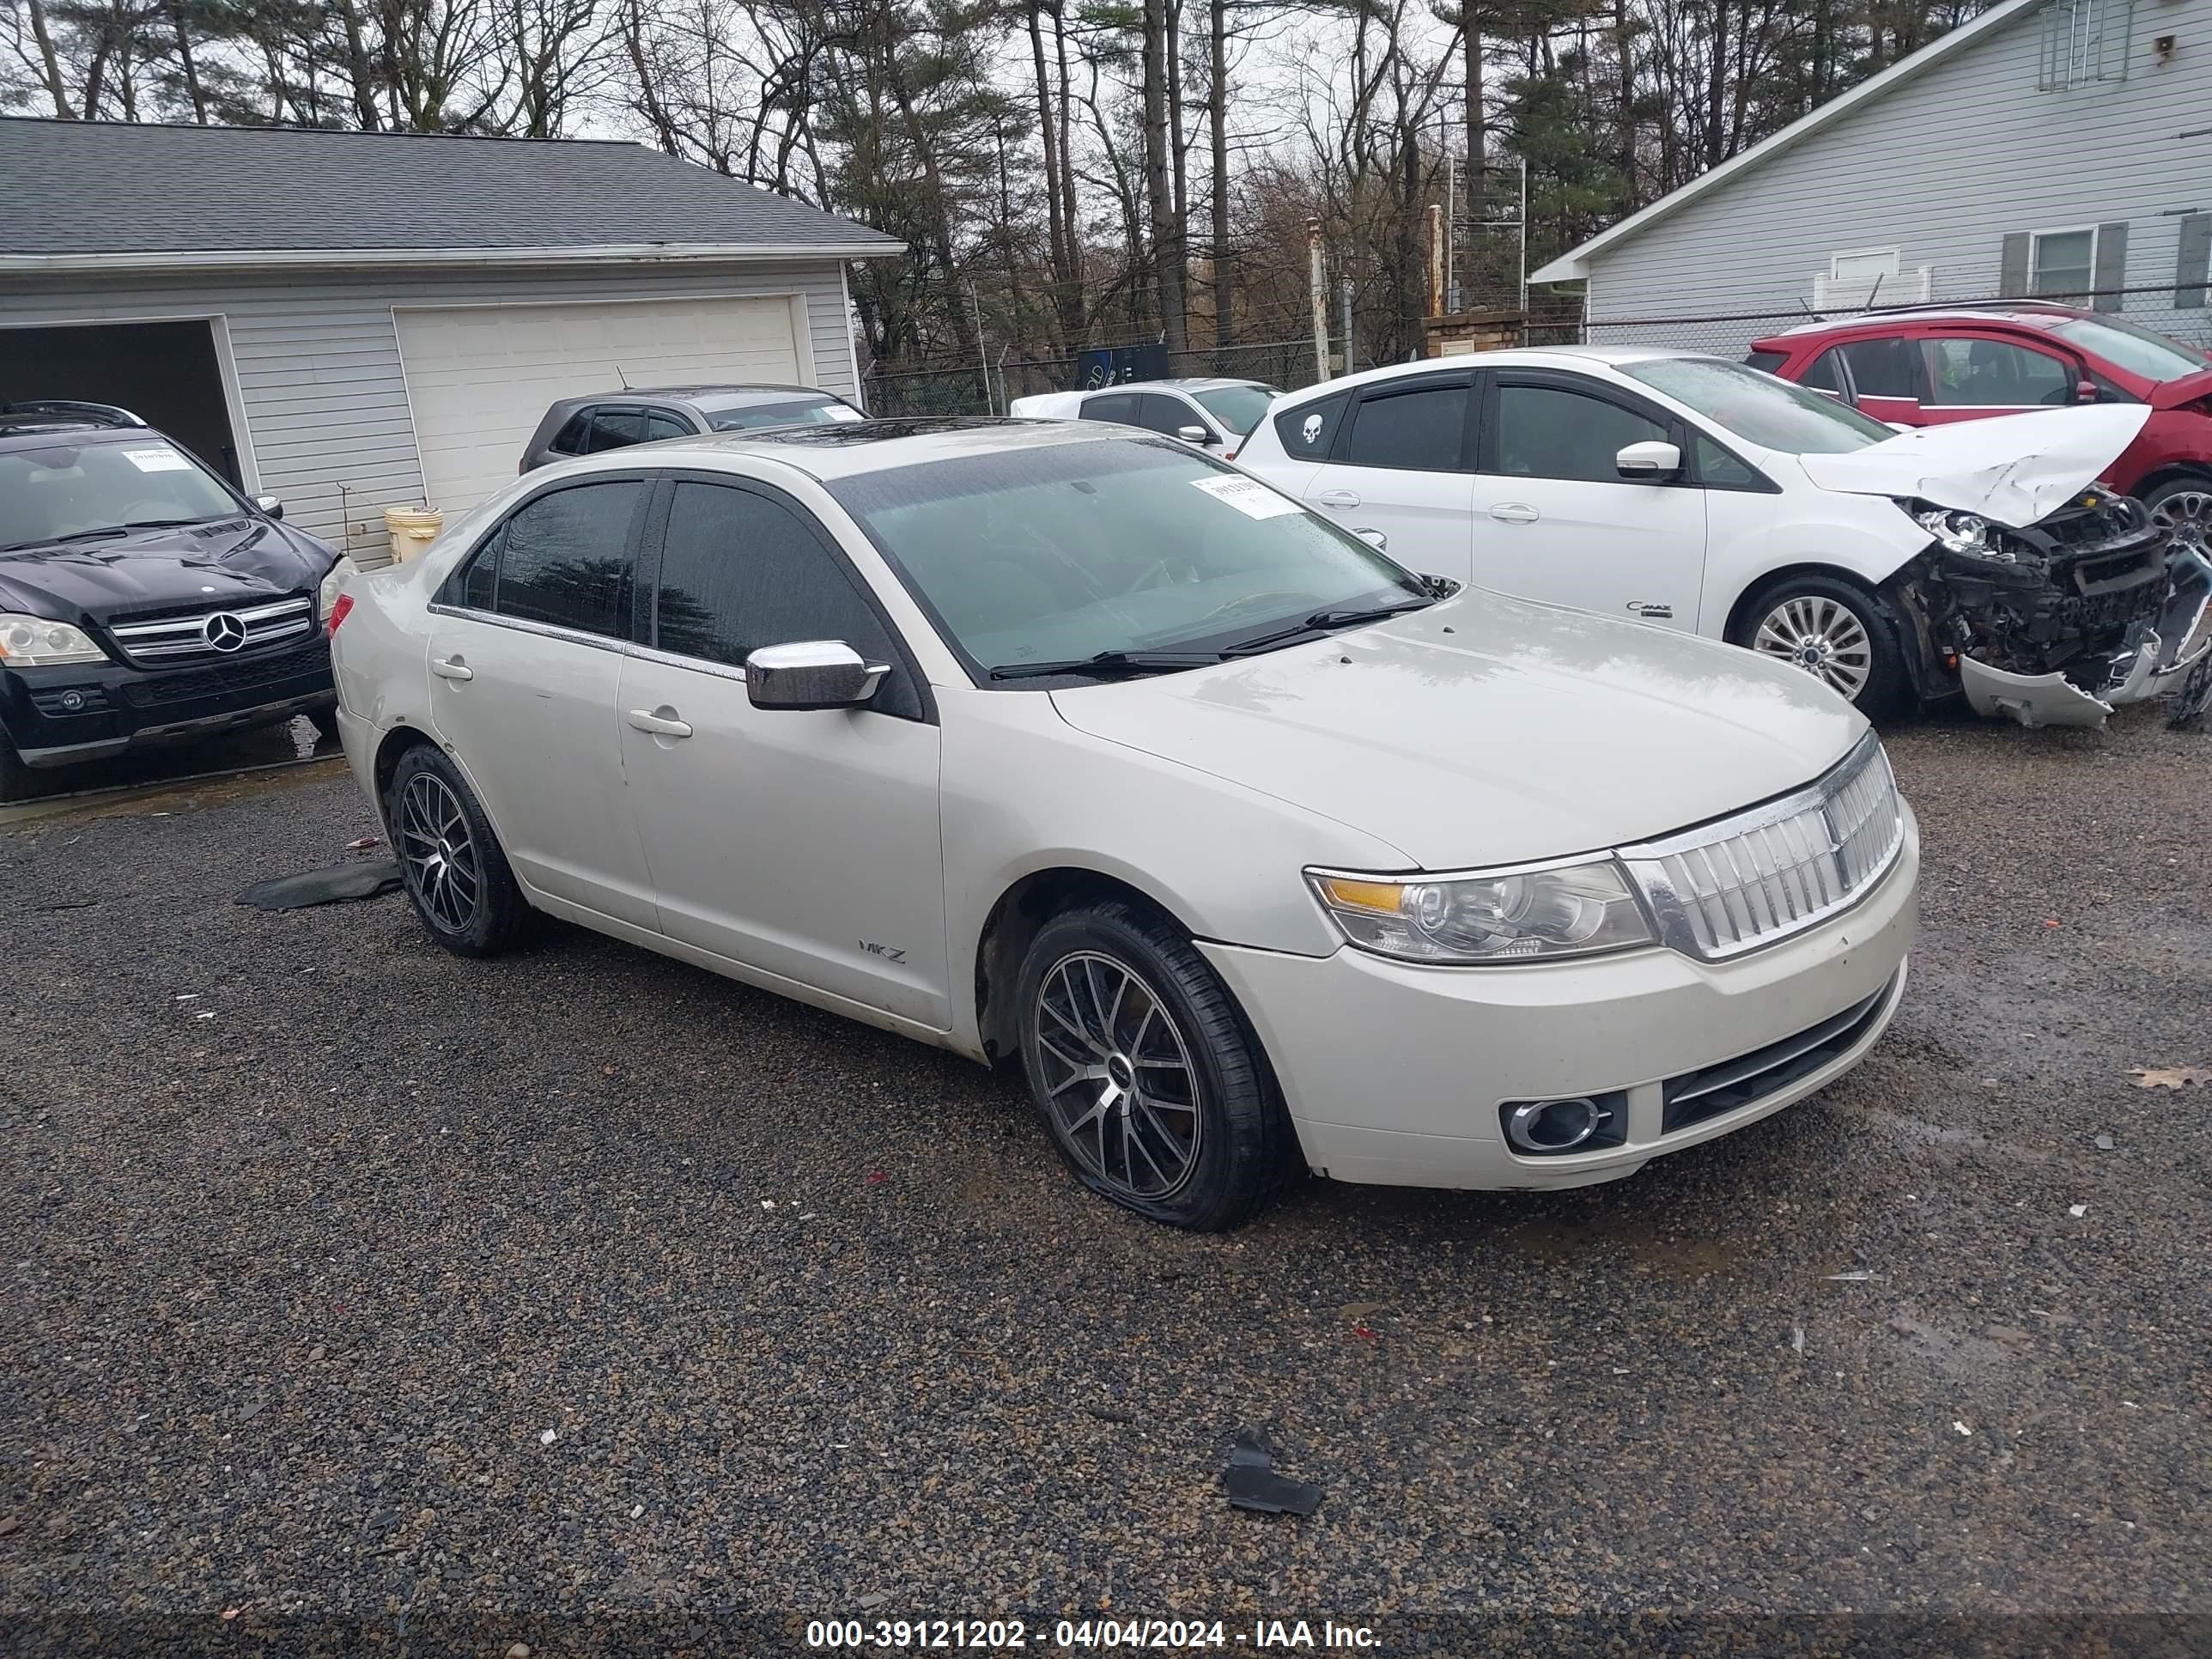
528 625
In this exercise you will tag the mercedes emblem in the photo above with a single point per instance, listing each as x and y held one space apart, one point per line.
224 632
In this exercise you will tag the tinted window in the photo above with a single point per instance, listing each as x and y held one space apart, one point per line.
1114 406
1822 375
658 427
570 440
1766 362
563 558
1546 431
1310 429
739 571
1418 431
1968 373
1884 368
611 429
1165 413
1716 465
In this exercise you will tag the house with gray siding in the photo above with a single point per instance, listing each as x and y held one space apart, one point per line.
353 321
2046 147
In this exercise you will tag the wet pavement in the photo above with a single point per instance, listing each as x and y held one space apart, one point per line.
349 1277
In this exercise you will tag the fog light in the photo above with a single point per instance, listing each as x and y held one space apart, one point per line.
1565 1123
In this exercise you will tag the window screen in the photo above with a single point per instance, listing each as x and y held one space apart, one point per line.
739 570
1548 432
1418 431
1309 430
563 559
613 428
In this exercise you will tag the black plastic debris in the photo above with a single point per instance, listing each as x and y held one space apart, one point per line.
1252 1483
364 879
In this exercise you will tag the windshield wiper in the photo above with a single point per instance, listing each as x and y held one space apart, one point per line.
1321 621
104 533
1109 662
159 524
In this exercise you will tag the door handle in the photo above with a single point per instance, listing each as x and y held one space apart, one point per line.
1337 498
1515 512
661 722
451 668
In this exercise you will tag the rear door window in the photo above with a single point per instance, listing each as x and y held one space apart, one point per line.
615 428
1824 374
660 425
566 558
1420 429
1885 368
570 440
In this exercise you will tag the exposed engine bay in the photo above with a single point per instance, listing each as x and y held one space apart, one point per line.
2060 622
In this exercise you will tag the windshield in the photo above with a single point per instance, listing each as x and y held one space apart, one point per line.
811 411
2137 350
1137 544
1237 407
68 489
1760 409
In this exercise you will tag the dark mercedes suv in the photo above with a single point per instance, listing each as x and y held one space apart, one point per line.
142 600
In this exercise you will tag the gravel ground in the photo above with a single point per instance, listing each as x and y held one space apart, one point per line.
370 1282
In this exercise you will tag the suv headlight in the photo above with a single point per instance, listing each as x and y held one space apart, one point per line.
1511 915
327 595
35 642
1956 532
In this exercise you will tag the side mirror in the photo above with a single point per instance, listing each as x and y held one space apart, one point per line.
1197 434
1374 539
270 505
811 674
1648 462
2086 392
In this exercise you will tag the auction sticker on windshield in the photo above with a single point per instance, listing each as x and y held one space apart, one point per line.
157 460
1254 501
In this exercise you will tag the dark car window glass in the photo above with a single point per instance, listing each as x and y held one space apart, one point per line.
1120 406
1309 429
479 588
1416 431
1717 466
570 440
65 489
565 558
1548 432
1884 368
1822 375
1968 373
739 571
1165 413
1766 361
658 427
613 428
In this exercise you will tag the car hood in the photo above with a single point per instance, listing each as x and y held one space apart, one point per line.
2015 469
2171 394
224 562
1489 730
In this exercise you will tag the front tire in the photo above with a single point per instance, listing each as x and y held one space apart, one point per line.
1148 1078
1835 630
451 864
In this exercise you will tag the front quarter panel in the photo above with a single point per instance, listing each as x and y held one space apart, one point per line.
1862 536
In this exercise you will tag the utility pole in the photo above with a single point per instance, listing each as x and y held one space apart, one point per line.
1344 299
1320 297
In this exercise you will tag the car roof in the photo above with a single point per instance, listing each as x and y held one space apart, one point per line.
2025 315
847 449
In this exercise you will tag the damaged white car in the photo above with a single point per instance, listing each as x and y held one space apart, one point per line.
1693 493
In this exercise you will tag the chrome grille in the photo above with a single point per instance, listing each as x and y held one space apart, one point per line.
213 636
1763 875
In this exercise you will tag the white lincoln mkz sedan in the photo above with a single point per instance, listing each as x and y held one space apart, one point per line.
1064 746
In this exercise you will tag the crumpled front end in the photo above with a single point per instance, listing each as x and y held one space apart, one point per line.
2062 622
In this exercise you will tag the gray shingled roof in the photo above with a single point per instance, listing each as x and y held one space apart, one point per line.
78 187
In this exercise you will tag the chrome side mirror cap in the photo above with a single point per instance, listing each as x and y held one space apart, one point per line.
270 505
811 674
1648 462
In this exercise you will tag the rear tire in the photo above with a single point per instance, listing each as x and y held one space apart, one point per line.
1840 632
1149 1079
451 864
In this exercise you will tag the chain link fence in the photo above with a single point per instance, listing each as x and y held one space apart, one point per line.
1284 364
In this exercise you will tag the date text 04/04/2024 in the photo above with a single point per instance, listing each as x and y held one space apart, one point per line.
1152 1634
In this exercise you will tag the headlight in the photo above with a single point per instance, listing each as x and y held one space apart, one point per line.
35 642
1959 533
328 596
1522 915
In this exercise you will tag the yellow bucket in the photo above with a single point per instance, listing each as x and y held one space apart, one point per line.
412 529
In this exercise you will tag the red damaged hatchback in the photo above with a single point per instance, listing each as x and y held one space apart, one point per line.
1926 365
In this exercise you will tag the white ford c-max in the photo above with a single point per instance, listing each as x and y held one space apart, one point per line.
1056 744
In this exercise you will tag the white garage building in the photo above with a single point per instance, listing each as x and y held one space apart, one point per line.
353 321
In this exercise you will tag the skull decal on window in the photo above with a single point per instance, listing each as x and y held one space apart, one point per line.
1311 430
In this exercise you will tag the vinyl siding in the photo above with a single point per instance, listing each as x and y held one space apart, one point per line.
317 369
1944 168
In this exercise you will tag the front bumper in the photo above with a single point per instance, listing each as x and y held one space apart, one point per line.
1395 1073
61 716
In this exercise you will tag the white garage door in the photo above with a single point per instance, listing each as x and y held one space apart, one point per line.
480 378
